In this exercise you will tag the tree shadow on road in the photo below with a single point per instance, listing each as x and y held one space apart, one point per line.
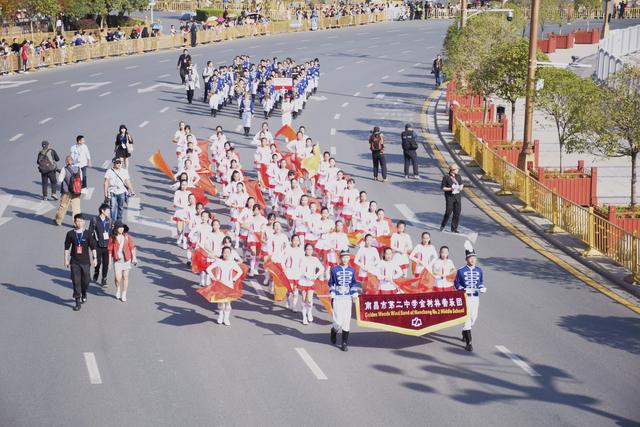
622 333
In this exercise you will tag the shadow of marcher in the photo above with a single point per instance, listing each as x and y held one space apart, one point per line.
40 294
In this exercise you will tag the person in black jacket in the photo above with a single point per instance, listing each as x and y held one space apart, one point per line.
452 186
376 145
100 228
184 61
410 151
46 161
77 244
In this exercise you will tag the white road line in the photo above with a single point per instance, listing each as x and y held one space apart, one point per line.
61 82
277 51
164 75
130 67
333 131
383 56
344 104
88 193
92 368
196 54
394 43
135 84
24 91
332 37
406 51
43 121
336 117
340 67
300 47
401 70
370 84
104 94
311 364
356 94
261 295
411 217
515 359
226 50
417 64
280 43
164 110
380 96
238 128
164 60
95 74
106 164
73 107
255 46
332 150
16 137
360 61
385 77
143 124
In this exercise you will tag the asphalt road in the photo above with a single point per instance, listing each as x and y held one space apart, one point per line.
162 359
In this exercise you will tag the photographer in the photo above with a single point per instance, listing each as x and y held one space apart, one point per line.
117 188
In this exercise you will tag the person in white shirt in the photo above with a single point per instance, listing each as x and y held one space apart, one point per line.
443 270
293 271
402 246
387 272
263 133
81 158
312 269
201 236
367 258
423 254
256 225
117 188
225 271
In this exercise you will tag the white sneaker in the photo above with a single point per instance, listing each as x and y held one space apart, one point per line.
310 317
118 293
220 318
304 320
124 297
226 321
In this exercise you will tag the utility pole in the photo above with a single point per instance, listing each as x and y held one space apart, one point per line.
605 19
463 13
526 154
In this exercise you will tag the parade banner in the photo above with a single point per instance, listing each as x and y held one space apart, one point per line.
282 83
412 314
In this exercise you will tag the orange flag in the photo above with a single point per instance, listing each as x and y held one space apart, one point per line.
286 131
199 261
281 284
253 190
200 196
417 285
263 177
158 161
206 184
321 287
218 292
355 237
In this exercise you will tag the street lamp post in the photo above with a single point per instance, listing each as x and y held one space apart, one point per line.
605 19
526 154
463 13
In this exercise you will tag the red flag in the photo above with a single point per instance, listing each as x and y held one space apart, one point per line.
321 287
263 176
157 160
253 190
218 292
371 285
206 184
200 196
417 285
199 261
286 131
355 237
281 284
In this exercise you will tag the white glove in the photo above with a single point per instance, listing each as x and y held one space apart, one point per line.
483 290
354 297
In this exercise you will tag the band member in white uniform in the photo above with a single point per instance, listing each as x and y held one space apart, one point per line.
293 271
312 269
443 268
226 271
470 279
343 289
423 254
402 246
387 272
367 258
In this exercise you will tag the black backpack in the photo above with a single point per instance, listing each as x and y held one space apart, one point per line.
45 163
375 142
408 141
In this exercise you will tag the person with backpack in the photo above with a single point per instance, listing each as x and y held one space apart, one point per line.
81 157
46 161
70 180
376 145
100 229
409 151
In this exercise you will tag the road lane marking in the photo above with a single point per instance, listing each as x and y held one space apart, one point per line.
23 91
164 110
344 104
16 137
417 64
360 61
164 75
130 67
259 290
104 94
380 96
339 68
61 82
333 131
356 94
385 77
95 74
73 107
370 84
515 359
408 214
332 150
311 364
401 70
406 51
88 194
106 164
336 117
92 368
135 84
164 60
43 121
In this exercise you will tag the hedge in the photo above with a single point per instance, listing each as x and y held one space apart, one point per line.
205 13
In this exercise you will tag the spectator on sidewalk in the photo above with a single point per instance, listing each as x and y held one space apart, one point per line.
46 161
81 158
452 187
117 188
77 244
376 145
100 230
69 191
410 151
436 69
24 56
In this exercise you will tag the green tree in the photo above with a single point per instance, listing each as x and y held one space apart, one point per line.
620 121
47 8
507 69
76 8
572 103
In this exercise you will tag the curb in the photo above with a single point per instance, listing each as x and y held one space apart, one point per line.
632 289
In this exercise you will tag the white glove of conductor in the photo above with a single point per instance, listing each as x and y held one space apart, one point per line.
483 290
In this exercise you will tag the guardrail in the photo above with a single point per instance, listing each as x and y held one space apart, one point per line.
600 235
613 48
51 57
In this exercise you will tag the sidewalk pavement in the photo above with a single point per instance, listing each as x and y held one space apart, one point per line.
614 175
599 272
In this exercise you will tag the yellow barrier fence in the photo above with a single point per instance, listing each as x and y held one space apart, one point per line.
70 54
601 236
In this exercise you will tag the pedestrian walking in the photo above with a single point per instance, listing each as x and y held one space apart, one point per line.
77 244
191 83
207 75
194 36
246 111
117 188
343 289
124 145
122 253
436 69
184 62
452 187
287 110
376 145
46 161
470 280
70 180
81 158
100 229
410 151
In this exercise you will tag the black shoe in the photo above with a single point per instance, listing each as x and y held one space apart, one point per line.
345 338
334 336
44 197
103 283
266 114
84 299
78 306
188 263
468 347
455 231
441 229
464 335
95 276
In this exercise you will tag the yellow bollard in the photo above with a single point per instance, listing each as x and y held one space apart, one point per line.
554 228
591 236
